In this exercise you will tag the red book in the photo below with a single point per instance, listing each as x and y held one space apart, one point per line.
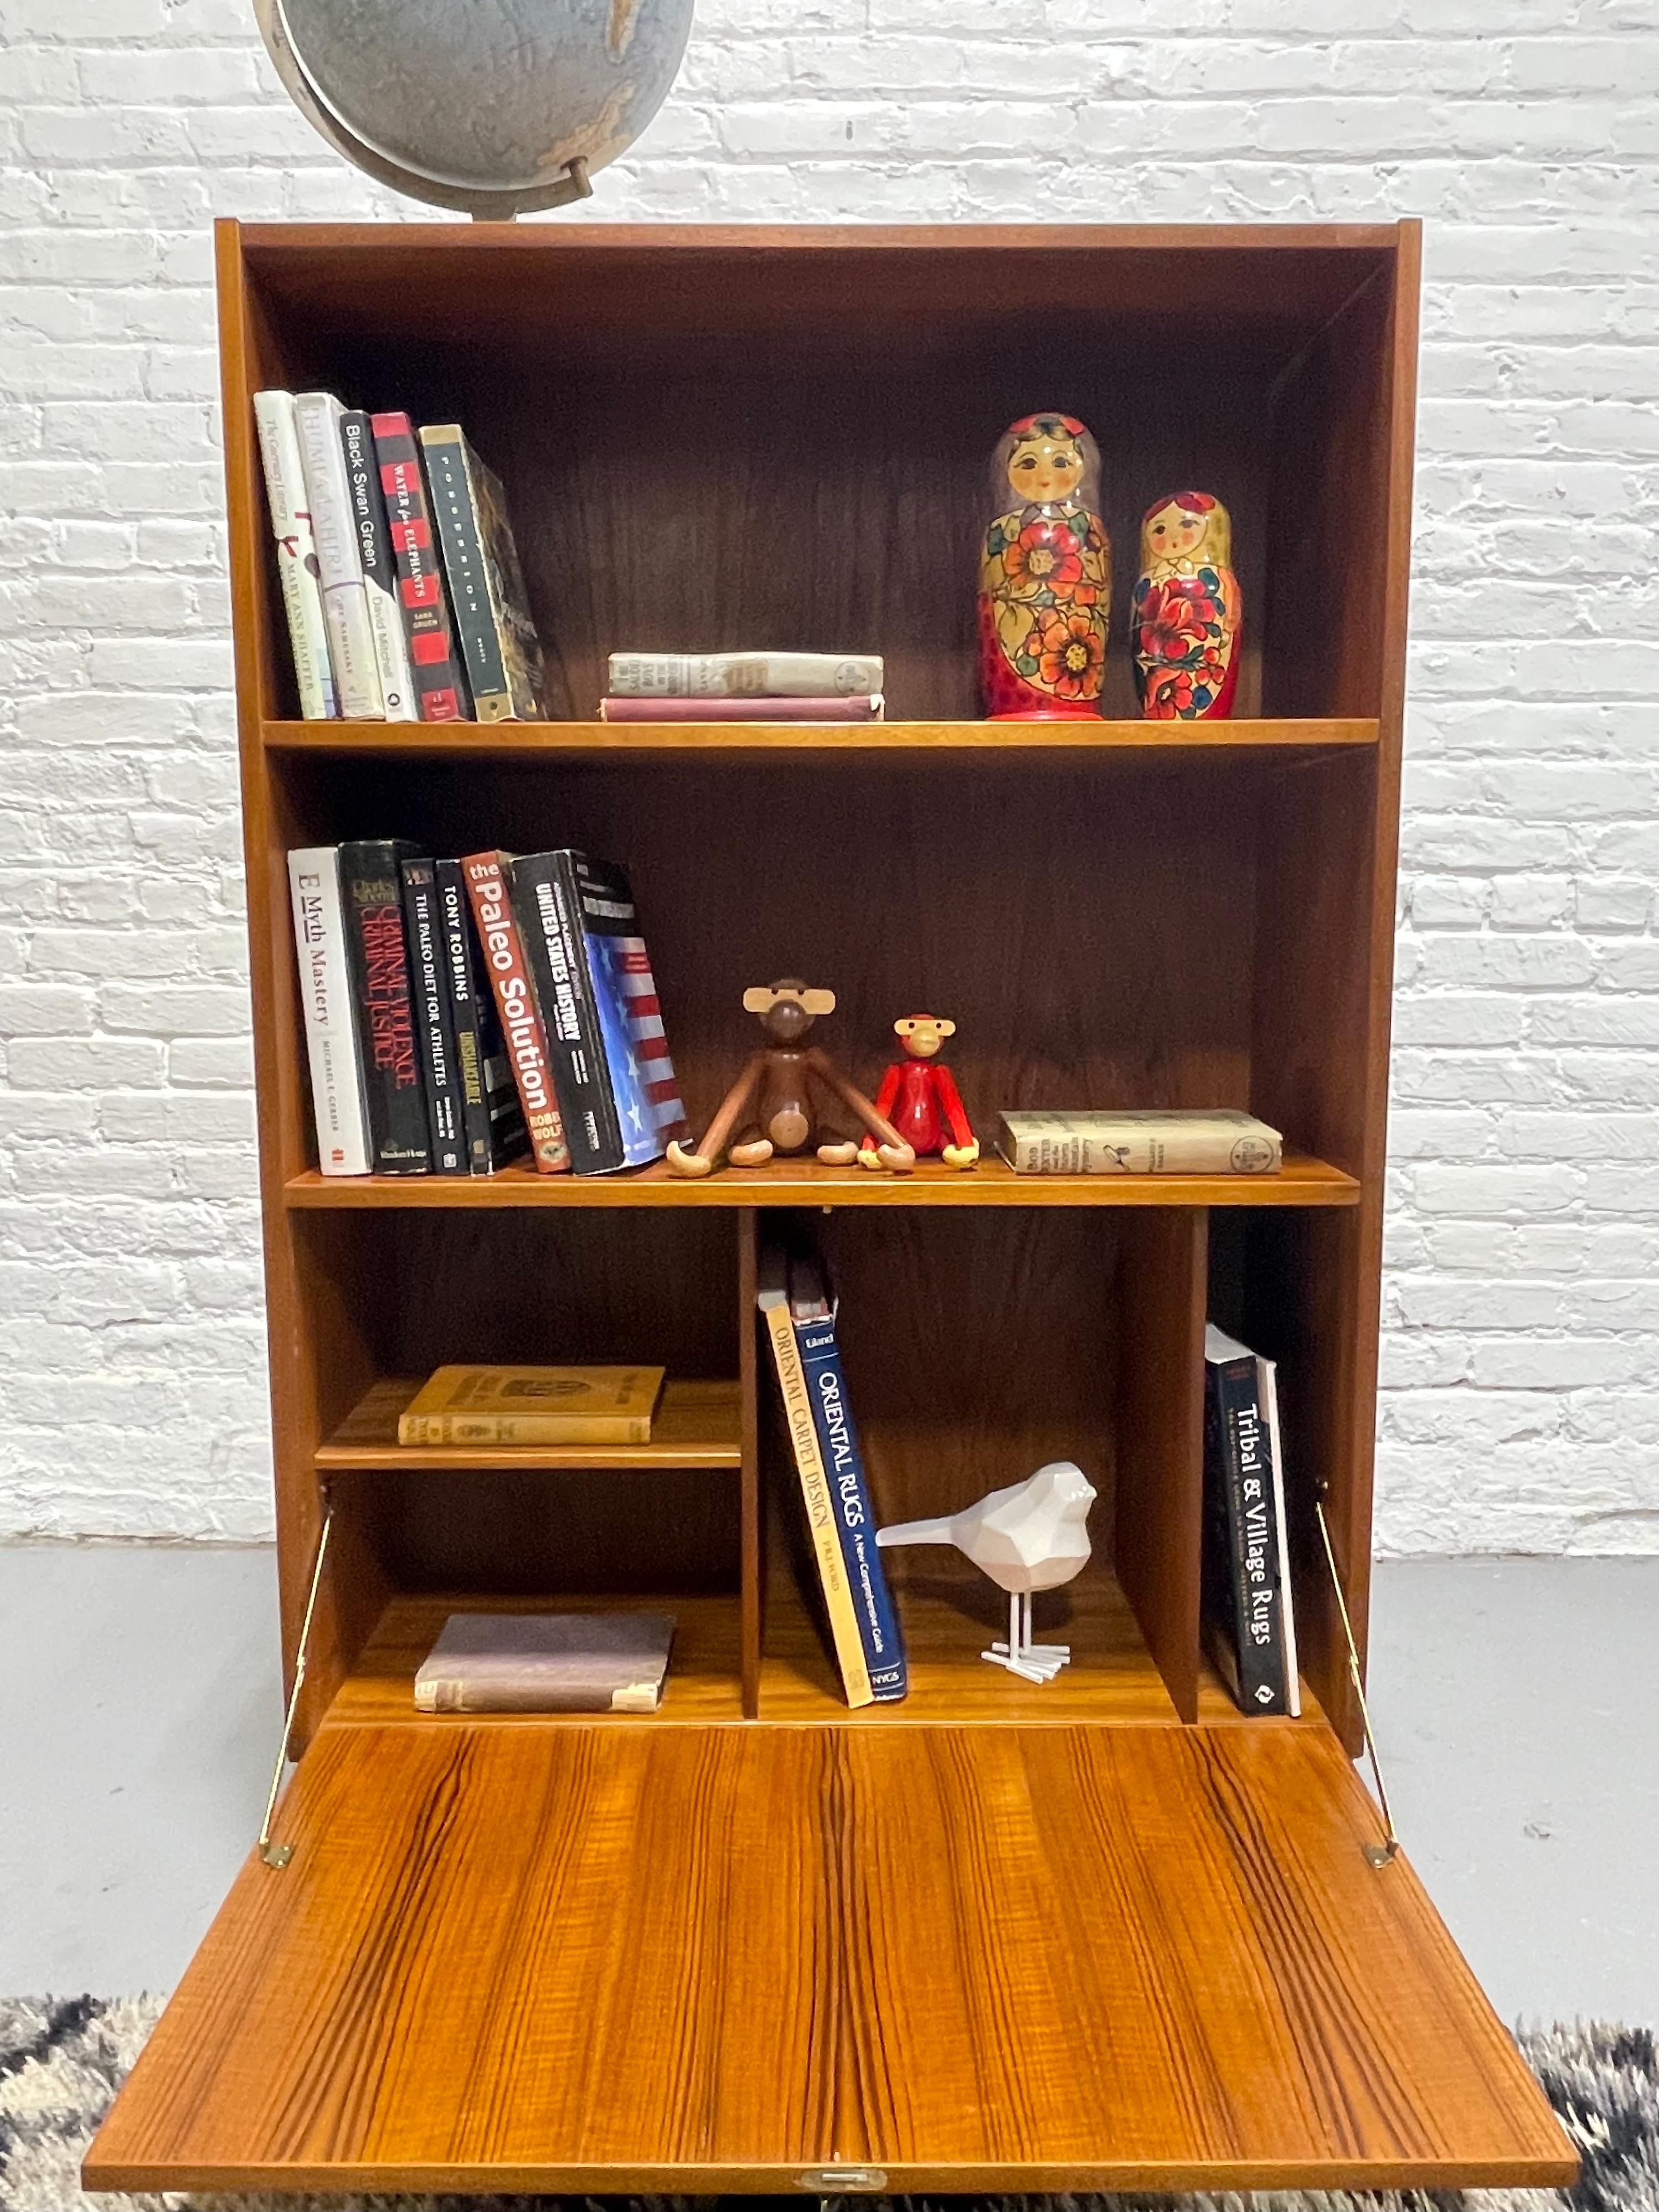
440 684
515 1000
867 709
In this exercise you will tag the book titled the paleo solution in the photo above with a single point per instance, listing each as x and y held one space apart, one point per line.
532 1405
1202 1141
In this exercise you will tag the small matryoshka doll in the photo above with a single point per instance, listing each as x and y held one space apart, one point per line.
1045 576
1185 614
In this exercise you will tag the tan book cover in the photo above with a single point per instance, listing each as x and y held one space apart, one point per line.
546 1662
1222 1140
532 1405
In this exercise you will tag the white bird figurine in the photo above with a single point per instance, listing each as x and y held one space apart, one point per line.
1032 1536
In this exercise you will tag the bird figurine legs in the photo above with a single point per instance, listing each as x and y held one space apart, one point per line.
1035 1662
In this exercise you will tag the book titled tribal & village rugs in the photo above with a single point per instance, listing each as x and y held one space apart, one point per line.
458 1012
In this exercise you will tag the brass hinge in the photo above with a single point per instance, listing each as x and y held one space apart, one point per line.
1377 1854
278 1854
843 2180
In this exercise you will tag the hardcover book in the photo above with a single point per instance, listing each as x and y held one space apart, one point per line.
532 1405
546 1662
1249 1616
865 708
499 645
642 1079
491 1114
439 682
380 568
745 675
297 553
325 1001
1069 1141
345 597
372 886
434 1016
544 902
522 1027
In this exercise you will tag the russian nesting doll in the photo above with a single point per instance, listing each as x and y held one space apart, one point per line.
1185 613
1045 576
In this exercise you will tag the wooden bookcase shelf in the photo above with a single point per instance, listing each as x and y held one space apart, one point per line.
1110 1933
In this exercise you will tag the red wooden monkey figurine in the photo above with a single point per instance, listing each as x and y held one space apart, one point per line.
920 1096
769 1108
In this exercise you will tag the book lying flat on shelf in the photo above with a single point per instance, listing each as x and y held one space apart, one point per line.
532 1405
1249 1616
546 1662
745 675
704 707
858 1607
1202 1141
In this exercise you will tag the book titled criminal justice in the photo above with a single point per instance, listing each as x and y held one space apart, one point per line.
745 675
532 1405
864 706
1177 1142
546 1662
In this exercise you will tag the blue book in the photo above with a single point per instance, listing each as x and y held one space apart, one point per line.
624 992
838 1442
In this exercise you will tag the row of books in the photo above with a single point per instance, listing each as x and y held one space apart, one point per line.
456 1012
400 575
737 687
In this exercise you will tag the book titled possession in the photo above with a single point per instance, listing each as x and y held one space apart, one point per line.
497 637
371 886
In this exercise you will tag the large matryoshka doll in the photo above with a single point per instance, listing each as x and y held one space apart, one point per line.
1045 576
1185 614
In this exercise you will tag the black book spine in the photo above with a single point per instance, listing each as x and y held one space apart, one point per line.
544 899
491 1117
434 1018
1253 1541
461 543
372 886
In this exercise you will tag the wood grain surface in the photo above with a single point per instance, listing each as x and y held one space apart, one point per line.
675 1959
494 740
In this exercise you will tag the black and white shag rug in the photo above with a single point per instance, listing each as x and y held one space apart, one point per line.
62 2060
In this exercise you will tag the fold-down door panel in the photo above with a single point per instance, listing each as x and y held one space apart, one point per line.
615 1958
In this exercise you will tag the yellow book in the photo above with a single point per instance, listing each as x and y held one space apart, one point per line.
815 1490
532 1405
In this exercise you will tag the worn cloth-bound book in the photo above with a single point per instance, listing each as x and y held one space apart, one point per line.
864 707
297 553
741 675
532 1405
317 417
1219 1141
522 1027
498 639
371 883
330 1018
1250 1615
546 1662
440 678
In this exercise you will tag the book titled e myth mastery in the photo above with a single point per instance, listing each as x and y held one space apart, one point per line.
371 885
434 1020
499 646
325 996
439 682
515 1001
491 1114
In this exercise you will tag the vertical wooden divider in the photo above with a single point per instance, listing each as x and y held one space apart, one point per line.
1163 1289
752 1613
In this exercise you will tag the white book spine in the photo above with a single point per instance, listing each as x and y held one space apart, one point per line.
385 622
297 553
331 1023
745 675
345 596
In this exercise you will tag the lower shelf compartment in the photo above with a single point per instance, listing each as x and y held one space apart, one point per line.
699 1960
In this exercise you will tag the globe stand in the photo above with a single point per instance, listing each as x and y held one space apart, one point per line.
484 206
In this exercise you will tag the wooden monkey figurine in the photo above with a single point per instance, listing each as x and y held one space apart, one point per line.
769 1108
919 1096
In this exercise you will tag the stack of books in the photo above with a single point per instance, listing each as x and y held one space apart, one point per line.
406 601
744 687
458 1009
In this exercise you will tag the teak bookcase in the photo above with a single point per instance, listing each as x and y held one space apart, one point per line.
1104 1934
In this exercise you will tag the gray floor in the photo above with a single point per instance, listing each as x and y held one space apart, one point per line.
1517 1701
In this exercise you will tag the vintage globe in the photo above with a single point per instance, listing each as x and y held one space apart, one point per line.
493 106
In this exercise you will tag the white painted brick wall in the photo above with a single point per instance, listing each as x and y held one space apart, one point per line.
1522 1360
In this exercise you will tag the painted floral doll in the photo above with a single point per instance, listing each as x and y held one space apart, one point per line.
1185 613
1045 577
